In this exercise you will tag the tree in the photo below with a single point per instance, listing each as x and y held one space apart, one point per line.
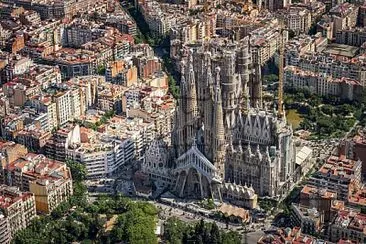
327 109
344 109
230 238
271 78
78 170
101 70
174 230
215 234
173 88
291 34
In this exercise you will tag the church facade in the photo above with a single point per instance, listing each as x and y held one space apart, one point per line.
226 142
248 143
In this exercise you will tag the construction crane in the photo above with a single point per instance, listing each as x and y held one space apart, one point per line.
281 73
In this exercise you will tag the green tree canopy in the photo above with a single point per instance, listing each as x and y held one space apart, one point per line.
78 170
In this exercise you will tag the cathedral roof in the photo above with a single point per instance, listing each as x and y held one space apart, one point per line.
190 159
194 150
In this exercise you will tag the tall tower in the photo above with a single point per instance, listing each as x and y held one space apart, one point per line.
187 114
208 112
192 106
180 118
230 87
280 75
218 144
257 82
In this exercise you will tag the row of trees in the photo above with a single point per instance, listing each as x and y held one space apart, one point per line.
179 232
144 35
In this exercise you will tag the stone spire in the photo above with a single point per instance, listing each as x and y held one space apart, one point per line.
267 154
180 131
218 146
218 113
210 83
249 149
231 143
208 111
187 118
240 148
183 84
258 153
191 96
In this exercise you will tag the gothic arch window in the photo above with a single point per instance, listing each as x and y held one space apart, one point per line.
248 126
257 127
230 173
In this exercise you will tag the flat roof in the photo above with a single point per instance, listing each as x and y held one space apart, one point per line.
303 154
341 50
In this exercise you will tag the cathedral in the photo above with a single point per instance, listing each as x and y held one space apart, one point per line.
224 136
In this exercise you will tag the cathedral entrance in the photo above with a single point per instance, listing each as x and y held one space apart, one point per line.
193 186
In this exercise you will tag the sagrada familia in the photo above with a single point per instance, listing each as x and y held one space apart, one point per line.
226 141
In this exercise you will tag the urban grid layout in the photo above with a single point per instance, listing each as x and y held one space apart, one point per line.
183 121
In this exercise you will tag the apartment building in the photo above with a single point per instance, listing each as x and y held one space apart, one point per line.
310 220
358 149
121 20
147 66
73 62
348 225
110 97
160 22
322 84
287 235
265 42
337 174
273 5
121 72
30 17
119 141
361 21
18 91
43 103
81 31
17 209
5 233
325 201
296 19
56 146
49 180
33 138
88 86
332 65
344 16
302 44
67 105
325 27
159 111
49 9
103 156
353 36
